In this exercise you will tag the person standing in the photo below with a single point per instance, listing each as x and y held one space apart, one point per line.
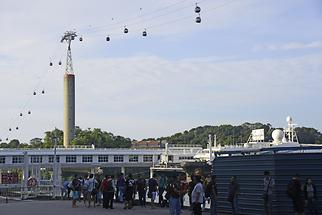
153 187
162 188
120 186
76 187
110 192
310 197
233 192
173 191
183 189
211 192
129 192
197 196
104 189
98 197
269 184
191 185
91 189
141 188
294 191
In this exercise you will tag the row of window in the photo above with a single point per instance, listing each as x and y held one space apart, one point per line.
186 158
73 158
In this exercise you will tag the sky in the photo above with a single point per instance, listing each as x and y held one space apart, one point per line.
247 61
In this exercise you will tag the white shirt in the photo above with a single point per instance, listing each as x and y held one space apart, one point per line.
198 189
91 184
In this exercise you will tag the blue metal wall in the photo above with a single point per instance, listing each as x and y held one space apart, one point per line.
249 171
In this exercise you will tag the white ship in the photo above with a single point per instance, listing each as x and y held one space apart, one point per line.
286 138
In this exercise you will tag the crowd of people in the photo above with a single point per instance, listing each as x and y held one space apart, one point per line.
171 192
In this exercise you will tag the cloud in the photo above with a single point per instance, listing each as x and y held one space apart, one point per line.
288 46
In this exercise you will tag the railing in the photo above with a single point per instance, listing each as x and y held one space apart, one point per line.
16 192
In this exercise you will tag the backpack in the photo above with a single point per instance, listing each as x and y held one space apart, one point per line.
110 187
75 184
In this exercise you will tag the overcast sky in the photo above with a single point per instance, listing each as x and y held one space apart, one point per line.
248 60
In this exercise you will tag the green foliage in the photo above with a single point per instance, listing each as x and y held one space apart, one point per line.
226 134
229 134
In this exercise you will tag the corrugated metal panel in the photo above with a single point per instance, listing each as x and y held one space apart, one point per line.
249 171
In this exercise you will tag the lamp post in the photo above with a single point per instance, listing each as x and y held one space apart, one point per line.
55 176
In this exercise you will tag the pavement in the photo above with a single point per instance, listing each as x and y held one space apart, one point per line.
58 207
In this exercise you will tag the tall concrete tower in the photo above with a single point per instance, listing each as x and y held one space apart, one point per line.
69 92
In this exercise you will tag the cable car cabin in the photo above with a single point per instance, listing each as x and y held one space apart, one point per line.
29 112
59 63
43 91
9 129
198 19
197 9
108 38
35 93
17 128
50 64
7 139
81 39
20 114
126 30
144 34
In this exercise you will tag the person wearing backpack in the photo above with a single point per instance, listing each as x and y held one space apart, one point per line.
110 192
76 187
129 192
141 188
294 191
104 189
269 184
153 188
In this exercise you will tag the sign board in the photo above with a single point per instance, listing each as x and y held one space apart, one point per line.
9 178
258 135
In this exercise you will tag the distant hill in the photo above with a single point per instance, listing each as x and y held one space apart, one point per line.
229 134
226 134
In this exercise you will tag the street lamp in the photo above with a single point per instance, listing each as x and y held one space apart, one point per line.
55 176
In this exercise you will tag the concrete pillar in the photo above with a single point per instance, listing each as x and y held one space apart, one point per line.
123 170
69 108
25 175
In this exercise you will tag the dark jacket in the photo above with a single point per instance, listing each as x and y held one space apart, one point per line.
233 191
294 189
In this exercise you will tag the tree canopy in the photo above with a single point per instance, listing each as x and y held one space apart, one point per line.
226 134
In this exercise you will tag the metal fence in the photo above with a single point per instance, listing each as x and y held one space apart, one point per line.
16 192
249 171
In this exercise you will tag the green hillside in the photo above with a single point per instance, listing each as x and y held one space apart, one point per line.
226 134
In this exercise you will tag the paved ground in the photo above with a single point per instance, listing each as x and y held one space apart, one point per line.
64 207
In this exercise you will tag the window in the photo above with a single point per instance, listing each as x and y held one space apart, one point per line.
2 159
36 159
185 157
51 159
118 158
87 158
17 159
71 159
133 158
170 158
147 158
103 158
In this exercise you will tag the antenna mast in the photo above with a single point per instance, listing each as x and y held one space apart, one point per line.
68 37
